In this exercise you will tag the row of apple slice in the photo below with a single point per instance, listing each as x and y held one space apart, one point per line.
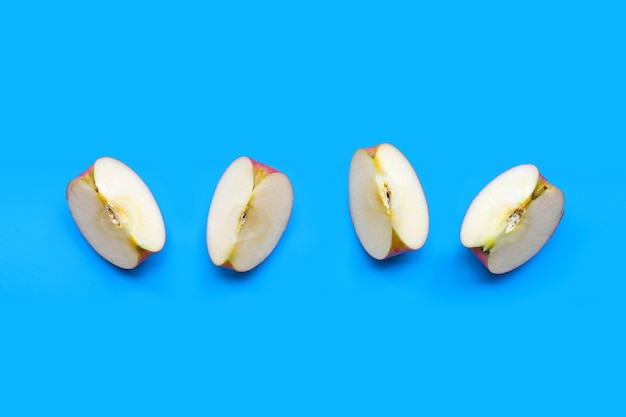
118 215
506 224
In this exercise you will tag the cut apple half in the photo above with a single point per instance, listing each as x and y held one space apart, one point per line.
387 202
249 212
116 213
512 218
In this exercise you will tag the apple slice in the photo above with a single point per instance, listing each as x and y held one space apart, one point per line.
116 212
512 218
387 203
249 212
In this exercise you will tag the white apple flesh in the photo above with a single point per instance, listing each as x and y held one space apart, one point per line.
116 213
387 202
512 218
249 212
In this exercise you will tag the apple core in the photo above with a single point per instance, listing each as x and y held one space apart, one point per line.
386 196
113 215
514 220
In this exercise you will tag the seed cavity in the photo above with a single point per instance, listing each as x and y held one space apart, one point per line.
385 196
514 219
113 215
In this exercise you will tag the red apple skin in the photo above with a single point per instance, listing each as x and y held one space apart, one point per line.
228 265
371 150
143 255
261 171
482 256
88 171
397 251
397 246
261 166
88 175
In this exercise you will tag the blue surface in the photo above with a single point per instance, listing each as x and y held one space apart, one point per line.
178 91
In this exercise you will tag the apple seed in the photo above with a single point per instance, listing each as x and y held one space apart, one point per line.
514 219
112 214
386 196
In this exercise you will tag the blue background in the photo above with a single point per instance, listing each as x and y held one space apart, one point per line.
178 90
